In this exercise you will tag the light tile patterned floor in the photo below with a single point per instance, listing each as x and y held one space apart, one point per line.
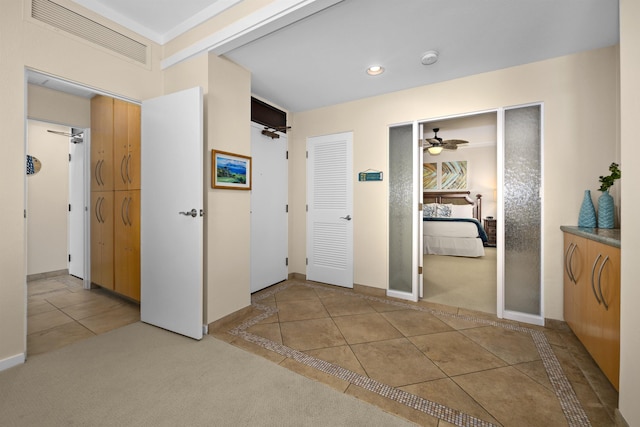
434 365
60 312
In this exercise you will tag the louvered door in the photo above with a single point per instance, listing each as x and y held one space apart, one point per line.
330 209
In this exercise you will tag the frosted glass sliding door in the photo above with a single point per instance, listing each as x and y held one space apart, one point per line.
403 210
522 210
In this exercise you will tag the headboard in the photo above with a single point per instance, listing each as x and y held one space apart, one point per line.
456 198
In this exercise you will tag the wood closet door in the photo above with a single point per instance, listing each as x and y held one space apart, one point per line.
101 143
127 248
575 254
126 136
102 247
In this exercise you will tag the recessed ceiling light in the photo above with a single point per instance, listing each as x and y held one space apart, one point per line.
375 70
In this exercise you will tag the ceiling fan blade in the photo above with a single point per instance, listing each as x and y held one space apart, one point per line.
455 141
450 147
432 141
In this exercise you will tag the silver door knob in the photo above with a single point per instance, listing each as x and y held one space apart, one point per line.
192 212
348 217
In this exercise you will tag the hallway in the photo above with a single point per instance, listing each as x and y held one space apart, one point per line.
60 312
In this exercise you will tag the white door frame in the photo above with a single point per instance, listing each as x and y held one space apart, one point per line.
499 205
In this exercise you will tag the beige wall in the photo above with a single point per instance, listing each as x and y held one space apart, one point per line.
228 236
47 199
577 91
630 149
57 107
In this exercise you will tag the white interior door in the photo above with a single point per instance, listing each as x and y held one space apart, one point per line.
269 190
171 232
76 205
330 209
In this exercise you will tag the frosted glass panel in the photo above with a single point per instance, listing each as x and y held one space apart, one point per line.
522 174
401 206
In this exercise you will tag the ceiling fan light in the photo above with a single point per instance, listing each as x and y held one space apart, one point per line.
434 150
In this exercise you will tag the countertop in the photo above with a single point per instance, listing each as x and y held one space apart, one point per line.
608 236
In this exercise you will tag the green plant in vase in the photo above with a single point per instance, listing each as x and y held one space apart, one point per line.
605 201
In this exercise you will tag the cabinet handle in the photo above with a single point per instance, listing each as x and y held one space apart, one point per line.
567 262
124 158
128 168
95 175
100 180
573 276
101 215
96 209
606 306
593 270
128 216
124 221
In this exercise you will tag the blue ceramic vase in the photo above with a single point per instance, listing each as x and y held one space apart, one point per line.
605 210
587 216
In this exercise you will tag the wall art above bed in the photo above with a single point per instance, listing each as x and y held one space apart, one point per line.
445 175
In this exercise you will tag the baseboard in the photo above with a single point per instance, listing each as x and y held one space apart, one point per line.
297 276
620 421
12 361
47 274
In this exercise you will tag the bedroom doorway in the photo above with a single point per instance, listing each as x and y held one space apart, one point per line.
460 269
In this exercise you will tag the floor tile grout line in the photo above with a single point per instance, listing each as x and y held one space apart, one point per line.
571 406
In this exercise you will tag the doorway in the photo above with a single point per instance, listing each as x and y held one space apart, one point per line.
453 275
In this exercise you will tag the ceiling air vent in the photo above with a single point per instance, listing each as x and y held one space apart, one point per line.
67 20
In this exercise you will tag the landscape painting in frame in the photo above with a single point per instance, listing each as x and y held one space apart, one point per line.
230 171
454 175
430 176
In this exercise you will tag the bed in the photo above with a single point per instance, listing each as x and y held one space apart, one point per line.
452 224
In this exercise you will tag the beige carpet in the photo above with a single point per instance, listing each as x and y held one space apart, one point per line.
462 282
140 375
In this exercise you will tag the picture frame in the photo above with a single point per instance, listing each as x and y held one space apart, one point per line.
230 171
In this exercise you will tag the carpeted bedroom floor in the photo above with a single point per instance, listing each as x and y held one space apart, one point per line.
461 282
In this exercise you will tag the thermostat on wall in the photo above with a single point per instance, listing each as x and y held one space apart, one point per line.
370 176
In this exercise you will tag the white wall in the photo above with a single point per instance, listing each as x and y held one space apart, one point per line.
48 198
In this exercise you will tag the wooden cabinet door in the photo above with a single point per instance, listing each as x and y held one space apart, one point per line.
102 238
607 285
101 143
126 136
575 280
127 247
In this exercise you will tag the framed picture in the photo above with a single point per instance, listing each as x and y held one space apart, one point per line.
454 175
230 171
430 176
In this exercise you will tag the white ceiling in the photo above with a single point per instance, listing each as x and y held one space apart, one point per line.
321 60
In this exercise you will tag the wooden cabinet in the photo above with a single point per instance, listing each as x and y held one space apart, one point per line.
115 189
127 250
126 142
101 143
102 238
490 227
592 299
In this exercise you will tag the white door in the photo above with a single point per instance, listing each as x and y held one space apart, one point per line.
76 205
269 190
171 232
330 209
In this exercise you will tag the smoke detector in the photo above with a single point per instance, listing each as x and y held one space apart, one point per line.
430 57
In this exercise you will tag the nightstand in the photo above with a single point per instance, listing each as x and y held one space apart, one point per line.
490 228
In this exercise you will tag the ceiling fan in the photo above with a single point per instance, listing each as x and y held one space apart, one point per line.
435 145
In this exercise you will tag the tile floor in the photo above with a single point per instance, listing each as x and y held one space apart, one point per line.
60 312
434 365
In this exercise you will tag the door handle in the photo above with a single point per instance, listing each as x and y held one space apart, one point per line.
348 217
192 213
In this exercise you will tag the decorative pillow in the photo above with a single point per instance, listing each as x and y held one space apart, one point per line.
444 211
462 211
430 210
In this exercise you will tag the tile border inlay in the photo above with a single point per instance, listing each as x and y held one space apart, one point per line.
571 407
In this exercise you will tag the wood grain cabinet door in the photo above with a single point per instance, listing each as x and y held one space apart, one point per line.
101 143
126 136
102 238
127 244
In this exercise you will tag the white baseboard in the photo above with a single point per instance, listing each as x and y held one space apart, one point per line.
12 361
